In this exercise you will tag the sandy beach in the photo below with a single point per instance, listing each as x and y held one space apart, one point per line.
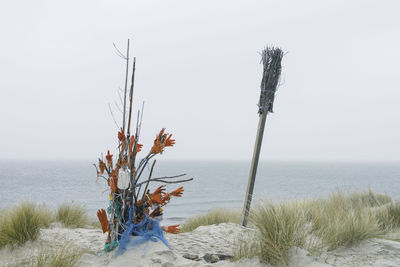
217 241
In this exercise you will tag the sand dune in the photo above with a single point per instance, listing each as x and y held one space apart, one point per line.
216 240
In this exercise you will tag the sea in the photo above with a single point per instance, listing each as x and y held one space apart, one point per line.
215 184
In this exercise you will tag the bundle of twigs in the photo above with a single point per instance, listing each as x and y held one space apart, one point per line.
271 59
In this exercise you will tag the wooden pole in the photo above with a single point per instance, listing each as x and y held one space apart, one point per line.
131 96
126 84
271 59
253 168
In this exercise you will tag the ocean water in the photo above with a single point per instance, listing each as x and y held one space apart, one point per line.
215 184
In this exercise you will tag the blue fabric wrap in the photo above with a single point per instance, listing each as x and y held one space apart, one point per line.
147 230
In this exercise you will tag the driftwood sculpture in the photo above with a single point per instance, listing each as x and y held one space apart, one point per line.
131 217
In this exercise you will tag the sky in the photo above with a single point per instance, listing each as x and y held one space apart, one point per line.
198 70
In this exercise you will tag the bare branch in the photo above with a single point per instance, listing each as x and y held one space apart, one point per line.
98 173
112 115
116 105
148 180
120 100
146 161
126 84
141 119
164 181
119 53
171 177
131 94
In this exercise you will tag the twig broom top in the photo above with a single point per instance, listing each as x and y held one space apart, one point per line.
271 58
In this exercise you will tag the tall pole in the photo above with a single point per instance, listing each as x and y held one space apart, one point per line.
126 85
271 59
253 168
131 95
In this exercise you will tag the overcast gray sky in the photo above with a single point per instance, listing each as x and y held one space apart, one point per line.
198 71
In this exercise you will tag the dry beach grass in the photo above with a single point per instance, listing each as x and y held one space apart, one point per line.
66 256
214 216
72 215
22 223
341 220
280 227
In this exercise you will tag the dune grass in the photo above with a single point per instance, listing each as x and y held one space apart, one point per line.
215 216
22 223
280 227
62 257
344 220
72 215
338 223
367 198
388 215
341 220
66 256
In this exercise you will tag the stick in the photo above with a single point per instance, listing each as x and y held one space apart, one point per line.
170 177
148 157
148 180
167 182
126 84
112 116
131 94
141 119
133 160
129 127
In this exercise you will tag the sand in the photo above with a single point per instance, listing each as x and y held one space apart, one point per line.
213 239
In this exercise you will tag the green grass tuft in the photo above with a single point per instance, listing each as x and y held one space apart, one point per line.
388 215
63 257
72 215
67 256
23 223
340 220
280 227
215 216
343 220
369 199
